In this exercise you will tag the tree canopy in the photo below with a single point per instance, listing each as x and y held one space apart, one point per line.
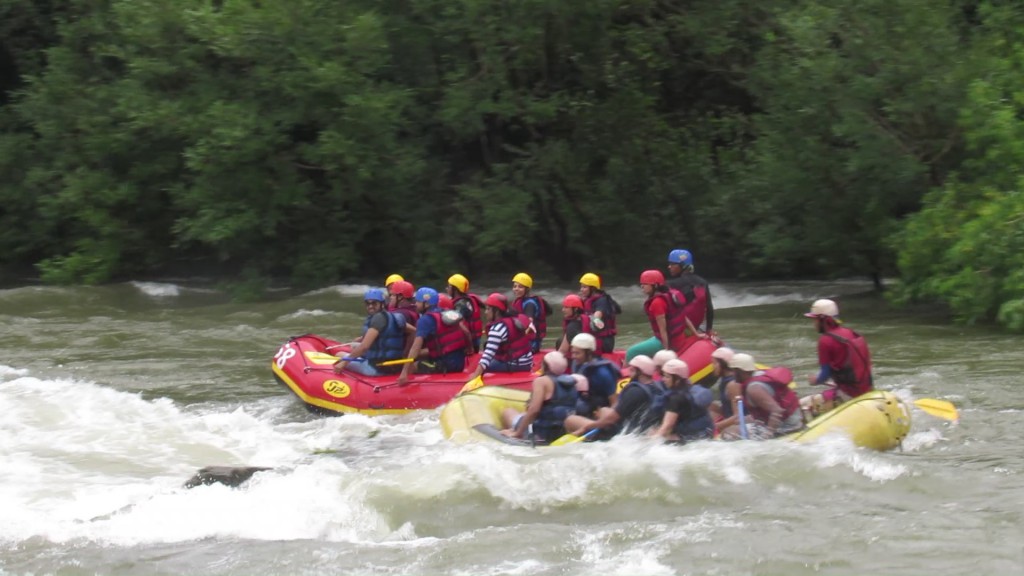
325 139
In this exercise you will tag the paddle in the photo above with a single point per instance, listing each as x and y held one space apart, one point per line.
938 408
743 418
572 439
473 384
387 363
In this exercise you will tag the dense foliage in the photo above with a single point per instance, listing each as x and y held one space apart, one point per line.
324 139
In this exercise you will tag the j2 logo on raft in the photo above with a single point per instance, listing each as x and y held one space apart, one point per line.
283 355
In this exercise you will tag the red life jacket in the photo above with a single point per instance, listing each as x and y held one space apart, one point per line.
446 340
675 317
854 376
408 309
475 321
519 343
586 327
695 296
778 378
589 306
540 323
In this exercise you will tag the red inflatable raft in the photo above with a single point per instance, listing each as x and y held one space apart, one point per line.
305 365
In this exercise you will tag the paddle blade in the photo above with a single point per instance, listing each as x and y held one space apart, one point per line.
396 362
938 408
473 384
571 439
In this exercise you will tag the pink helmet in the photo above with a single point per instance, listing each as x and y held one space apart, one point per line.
676 367
724 354
644 363
556 362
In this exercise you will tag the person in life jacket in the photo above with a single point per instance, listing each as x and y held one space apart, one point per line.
469 305
699 308
442 337
665 310
601 308
843 356
535 307
772 408
383 339
574 321
686 416
728 388
552 400
632 410
509 338
660 358
391 279
602 375
403 302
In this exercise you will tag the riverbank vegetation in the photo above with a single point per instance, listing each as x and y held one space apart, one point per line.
318 140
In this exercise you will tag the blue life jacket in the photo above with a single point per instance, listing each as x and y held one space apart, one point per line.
390 344
548 425
726 402
649 414
603 377
697 422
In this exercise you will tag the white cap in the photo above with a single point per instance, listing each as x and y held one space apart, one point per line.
724 354
644 363
556 362
743 362
584 341
676 367
662 356
823 307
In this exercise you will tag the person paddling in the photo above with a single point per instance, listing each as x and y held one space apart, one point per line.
552 400
383 339
772 407
686 417
509 335
443 335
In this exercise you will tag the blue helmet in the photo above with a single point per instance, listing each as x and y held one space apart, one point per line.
428 295
681 257
375 294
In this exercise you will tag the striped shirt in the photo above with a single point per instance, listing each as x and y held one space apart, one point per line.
497 334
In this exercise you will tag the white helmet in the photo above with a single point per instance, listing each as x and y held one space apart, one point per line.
724 354
556 362
823 307
584 341
743 362
662 356
677 367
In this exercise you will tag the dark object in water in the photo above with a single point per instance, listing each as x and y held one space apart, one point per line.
227 475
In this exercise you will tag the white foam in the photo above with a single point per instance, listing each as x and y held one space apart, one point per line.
303 313
157 289
9 371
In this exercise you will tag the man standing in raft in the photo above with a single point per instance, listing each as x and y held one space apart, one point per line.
844 359
665 308
699 308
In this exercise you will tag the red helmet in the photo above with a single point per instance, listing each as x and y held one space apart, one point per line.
497 300
652 277
403 289
444 302
573 301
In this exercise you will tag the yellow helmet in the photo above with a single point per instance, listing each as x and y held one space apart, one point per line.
524 279
460 282
591 279
392 279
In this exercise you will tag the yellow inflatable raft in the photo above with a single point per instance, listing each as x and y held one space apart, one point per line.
877 420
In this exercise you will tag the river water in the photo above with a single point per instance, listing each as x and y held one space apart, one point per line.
111 397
